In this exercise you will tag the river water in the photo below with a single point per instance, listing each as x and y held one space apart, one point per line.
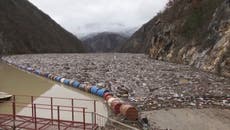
17 82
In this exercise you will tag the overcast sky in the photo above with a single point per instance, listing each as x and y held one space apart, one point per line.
88 16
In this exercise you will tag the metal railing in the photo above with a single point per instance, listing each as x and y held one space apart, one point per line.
40 112
30 115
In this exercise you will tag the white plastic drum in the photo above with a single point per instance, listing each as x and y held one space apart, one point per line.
62 80
71 82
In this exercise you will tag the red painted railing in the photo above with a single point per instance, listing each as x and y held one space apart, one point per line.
54 120
33 121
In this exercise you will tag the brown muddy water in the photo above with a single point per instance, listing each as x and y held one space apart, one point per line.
17 82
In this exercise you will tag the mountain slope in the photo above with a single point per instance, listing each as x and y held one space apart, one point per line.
26 29
104 42
194 32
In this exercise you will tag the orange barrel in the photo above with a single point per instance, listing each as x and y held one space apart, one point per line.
112 99
88 87
115 105
107 94
130 112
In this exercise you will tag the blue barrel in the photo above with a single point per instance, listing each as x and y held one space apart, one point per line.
101 92
58 78
46 75
94 89
37 72
22 67
76 84
66 81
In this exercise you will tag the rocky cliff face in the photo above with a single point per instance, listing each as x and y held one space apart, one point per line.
104 42
194 32
25 29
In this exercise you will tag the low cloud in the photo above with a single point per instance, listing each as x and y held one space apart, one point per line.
87 16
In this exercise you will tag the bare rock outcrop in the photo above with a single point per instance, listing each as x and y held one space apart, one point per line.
192 32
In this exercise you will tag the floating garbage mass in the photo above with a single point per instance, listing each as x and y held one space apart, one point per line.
116 104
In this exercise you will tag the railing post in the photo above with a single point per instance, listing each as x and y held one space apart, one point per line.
35 117
14 98
92 117
14 112
32 107
51 105
58 114
95 112
83 118
72 102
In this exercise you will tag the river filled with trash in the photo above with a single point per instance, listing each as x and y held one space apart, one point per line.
158 89
149 84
